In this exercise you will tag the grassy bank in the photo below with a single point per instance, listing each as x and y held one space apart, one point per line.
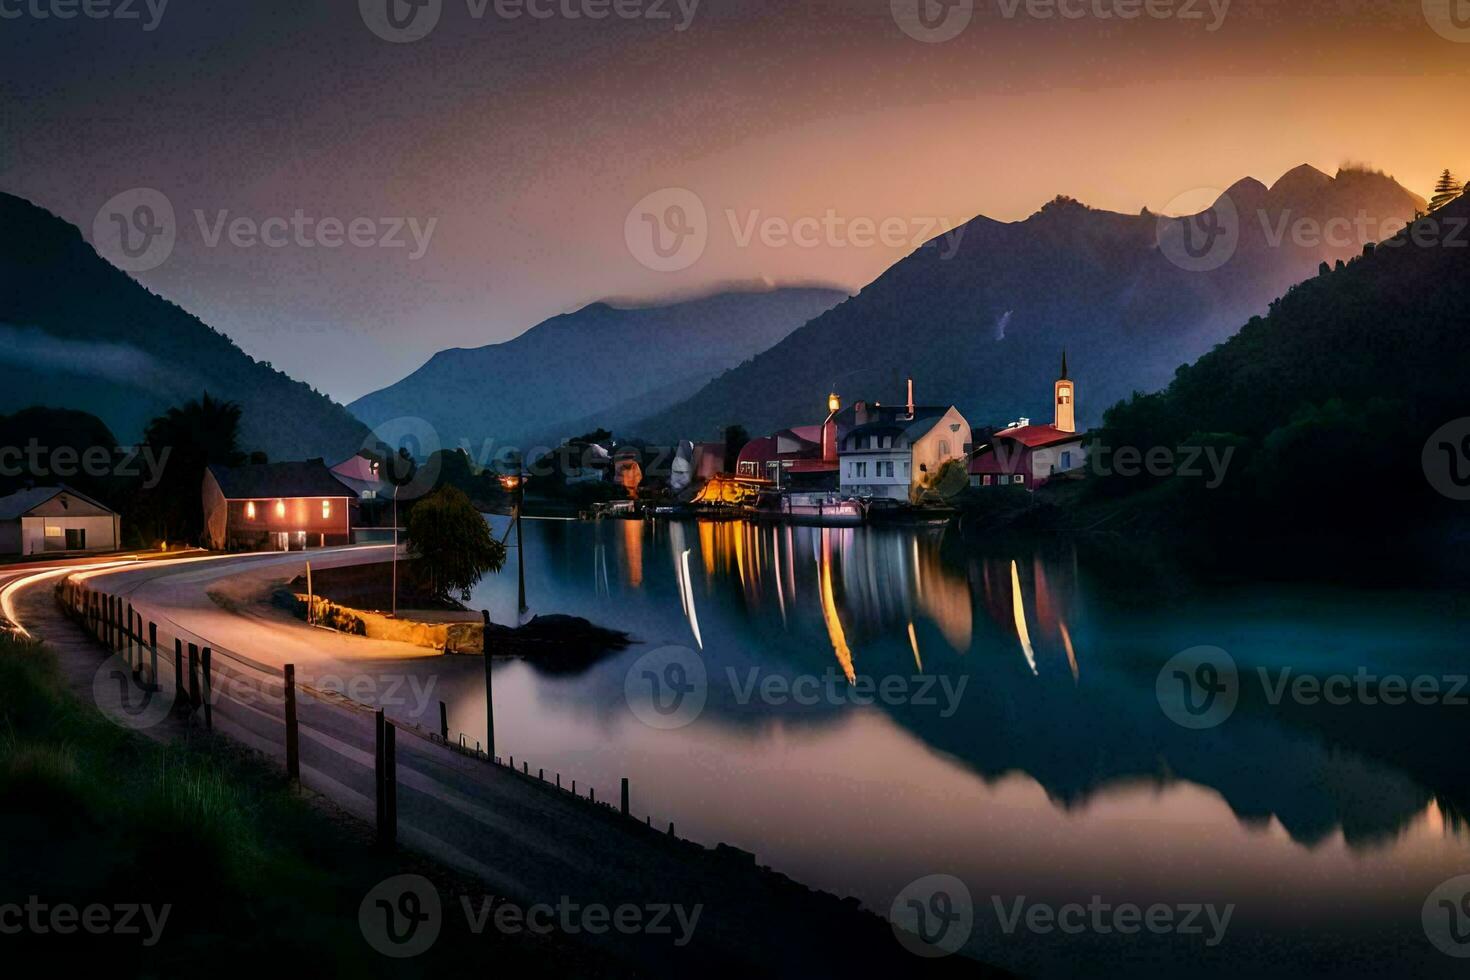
254 875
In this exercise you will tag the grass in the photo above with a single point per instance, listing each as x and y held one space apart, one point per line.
257 877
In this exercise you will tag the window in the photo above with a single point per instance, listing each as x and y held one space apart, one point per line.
862 469
326 510
280 508
986 481
250 510
1018 478
53 531
372 494
944 447
907 469
889 467
76 539
1066 459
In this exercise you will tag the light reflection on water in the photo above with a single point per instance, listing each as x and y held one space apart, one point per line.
1053 774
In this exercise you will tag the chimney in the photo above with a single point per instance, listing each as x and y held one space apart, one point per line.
911 396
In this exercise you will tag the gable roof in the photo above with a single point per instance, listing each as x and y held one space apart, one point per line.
273 480
894 421
1037 436
22 502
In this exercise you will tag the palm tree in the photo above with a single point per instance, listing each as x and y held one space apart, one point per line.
194 435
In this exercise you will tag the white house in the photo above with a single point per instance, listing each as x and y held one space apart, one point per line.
903 447
43 520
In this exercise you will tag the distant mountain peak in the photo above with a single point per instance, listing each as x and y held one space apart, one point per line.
1245 194
1305 178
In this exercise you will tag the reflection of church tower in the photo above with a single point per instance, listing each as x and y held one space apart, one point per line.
1065 417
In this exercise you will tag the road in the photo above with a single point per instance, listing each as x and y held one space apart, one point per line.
522 837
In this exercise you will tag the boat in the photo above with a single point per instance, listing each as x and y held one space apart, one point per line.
822 509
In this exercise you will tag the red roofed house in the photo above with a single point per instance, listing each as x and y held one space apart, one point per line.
276 507
1029 455
803 457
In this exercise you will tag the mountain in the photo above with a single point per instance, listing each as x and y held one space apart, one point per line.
77 333
983 325
596 367
1345 411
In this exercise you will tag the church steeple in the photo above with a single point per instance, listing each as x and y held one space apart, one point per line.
1064 415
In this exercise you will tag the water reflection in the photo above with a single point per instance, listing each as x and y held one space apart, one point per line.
1055 732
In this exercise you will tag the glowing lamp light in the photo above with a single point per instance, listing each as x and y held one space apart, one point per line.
326 509
510 481
250 511
833 402
280 508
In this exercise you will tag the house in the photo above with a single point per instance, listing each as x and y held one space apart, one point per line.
56 519
276 507
804 457
899 448
1029 455
372 506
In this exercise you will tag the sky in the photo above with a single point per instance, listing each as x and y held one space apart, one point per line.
349 196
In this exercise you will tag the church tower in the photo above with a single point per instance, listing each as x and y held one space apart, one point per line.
1064 414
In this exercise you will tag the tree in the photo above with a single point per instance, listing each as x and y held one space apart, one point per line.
195 436
451 542
1445 191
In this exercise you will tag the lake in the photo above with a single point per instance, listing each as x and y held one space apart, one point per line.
865 709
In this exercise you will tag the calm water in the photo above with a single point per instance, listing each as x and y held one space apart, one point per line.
1032 759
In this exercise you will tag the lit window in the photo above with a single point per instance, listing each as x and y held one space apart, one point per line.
250 511
280 508
326 509
53 531
369 495
986 481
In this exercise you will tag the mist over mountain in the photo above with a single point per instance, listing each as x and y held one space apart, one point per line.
1129 297
77 333
600 365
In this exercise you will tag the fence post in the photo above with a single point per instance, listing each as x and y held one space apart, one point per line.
386 758
625 796
206 660
444 722
293 747
128 636
489 688
378 771
153 684
178 671
193 678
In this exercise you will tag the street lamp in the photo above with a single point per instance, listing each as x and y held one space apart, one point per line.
515 484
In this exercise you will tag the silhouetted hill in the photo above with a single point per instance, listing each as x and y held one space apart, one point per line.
597 366
983 328
77 333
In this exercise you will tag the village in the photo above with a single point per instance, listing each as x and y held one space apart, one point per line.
866 462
